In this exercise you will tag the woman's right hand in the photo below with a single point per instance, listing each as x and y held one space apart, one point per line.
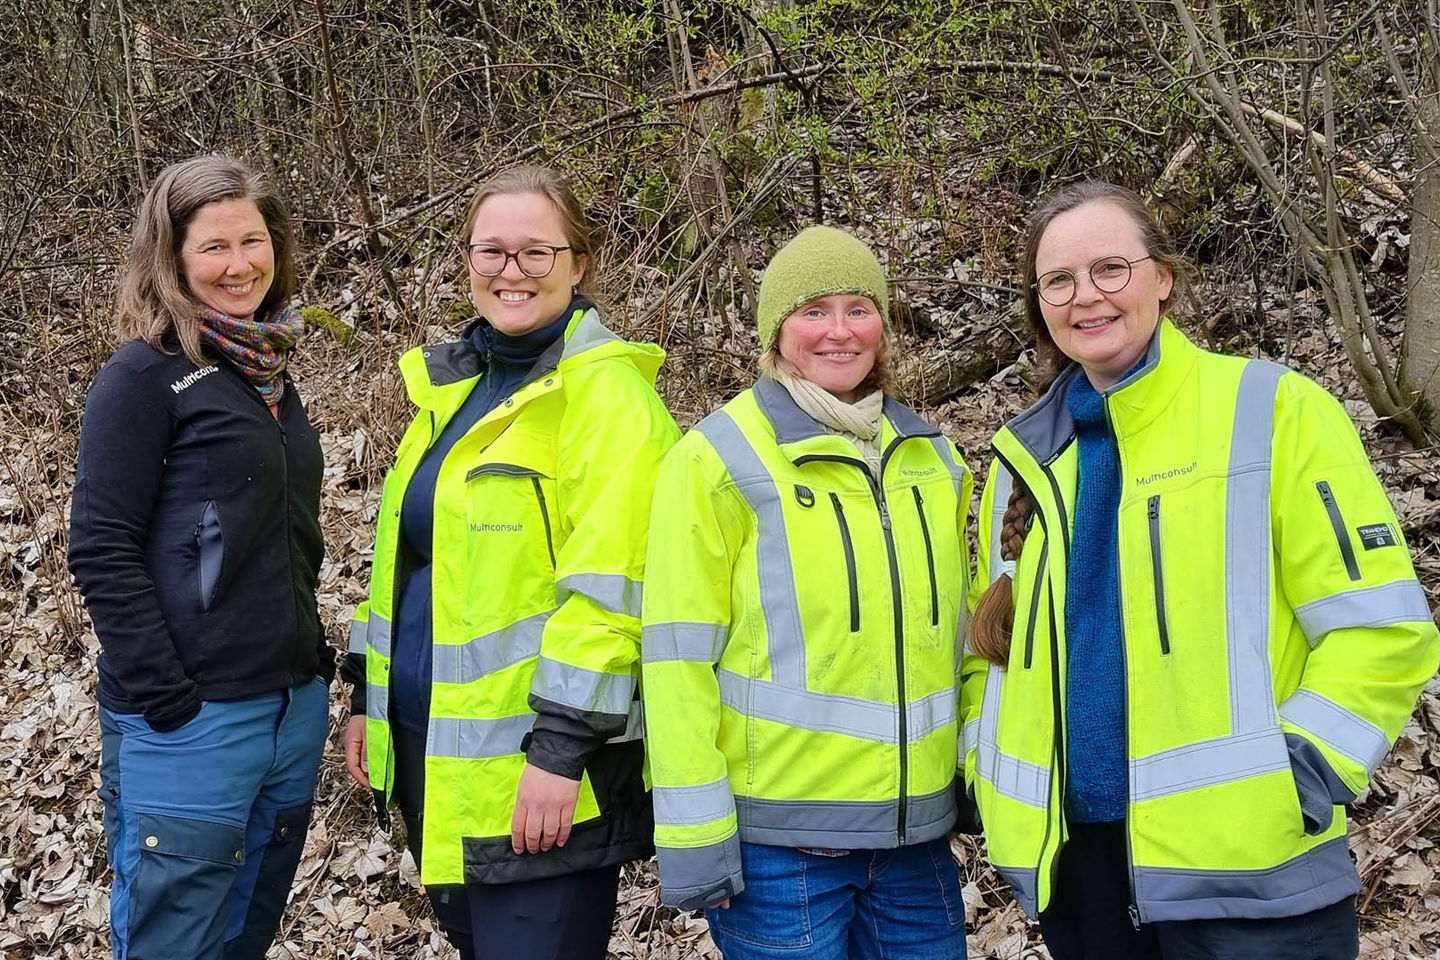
357 763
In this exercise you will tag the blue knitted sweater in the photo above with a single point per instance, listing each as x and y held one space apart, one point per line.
1095 661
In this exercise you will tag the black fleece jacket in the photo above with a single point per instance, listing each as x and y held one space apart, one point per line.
195 536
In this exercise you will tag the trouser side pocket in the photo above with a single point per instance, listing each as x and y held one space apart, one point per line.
181 886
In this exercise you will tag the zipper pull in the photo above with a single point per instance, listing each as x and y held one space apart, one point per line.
1154 508
884 515
1134 917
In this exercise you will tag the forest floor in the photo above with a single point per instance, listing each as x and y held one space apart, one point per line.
355 894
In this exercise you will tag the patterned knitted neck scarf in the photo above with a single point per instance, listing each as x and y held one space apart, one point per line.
257 348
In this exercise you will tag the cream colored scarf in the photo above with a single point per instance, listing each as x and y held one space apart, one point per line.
859 421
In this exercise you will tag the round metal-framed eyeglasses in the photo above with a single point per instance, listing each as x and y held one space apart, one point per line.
535 260
1108 274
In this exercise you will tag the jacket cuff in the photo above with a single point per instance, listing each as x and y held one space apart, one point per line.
967 811
692 878
1318 786
557 753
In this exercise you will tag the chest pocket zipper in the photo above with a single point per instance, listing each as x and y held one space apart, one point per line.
1040 571
849 547
1158 571
1337 523
523 473
929 557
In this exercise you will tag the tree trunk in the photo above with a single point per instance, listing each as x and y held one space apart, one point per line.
1422 320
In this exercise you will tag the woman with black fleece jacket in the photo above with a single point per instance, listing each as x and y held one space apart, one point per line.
195 540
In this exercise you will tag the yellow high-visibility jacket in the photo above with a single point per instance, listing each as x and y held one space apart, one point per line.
801 643
1275 637
541 513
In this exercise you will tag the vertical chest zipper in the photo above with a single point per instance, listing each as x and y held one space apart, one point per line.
929 557
849 547
1040 573
545 518
1337 524
1157 570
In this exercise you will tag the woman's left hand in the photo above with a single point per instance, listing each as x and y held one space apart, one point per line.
544 810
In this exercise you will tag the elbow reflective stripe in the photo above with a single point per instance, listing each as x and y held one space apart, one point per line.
377 701
486 654
1209 762
690 872
588 690
772 547
613 591
1347 733
834 713
477 739
701 642
969 739
1001 500
705 803
1400 602
379 634
358 629
1247 548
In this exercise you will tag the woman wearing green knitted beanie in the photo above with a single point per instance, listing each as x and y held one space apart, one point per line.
804 591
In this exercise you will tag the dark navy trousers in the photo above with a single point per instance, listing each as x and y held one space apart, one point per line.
1089 916
205 824
558 918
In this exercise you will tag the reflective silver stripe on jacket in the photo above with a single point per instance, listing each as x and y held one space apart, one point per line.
358 630
582 688
491 652
377 701
1003 484
681 640
1255 744
1012 777
867 823
834 712
378 634
702 803
778 596
613 591
1402 601
688 873
1343 731
477 738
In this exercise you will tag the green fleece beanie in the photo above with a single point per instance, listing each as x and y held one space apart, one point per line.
818 262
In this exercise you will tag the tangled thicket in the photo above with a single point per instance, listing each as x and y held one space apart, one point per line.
701 135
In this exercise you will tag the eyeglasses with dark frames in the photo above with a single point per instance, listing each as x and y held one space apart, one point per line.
1108 274
535 260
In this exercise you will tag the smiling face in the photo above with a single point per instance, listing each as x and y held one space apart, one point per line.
227 257
833 342
514 303
1106 333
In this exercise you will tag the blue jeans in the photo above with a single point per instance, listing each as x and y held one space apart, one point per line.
205 824
901 904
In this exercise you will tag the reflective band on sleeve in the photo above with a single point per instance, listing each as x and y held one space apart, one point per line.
998 565
1203 764
1400 602
676 640
377 701
772 548
1247 548
477 739
491 652
831 712
613 591
358 630
969 739
379 634
634 724
1347 733
705 803
588 690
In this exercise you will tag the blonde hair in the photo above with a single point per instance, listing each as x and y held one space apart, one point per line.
550 184
154 301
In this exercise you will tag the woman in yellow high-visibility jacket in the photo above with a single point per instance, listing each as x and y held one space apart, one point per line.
803 612
1204 643
498 656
